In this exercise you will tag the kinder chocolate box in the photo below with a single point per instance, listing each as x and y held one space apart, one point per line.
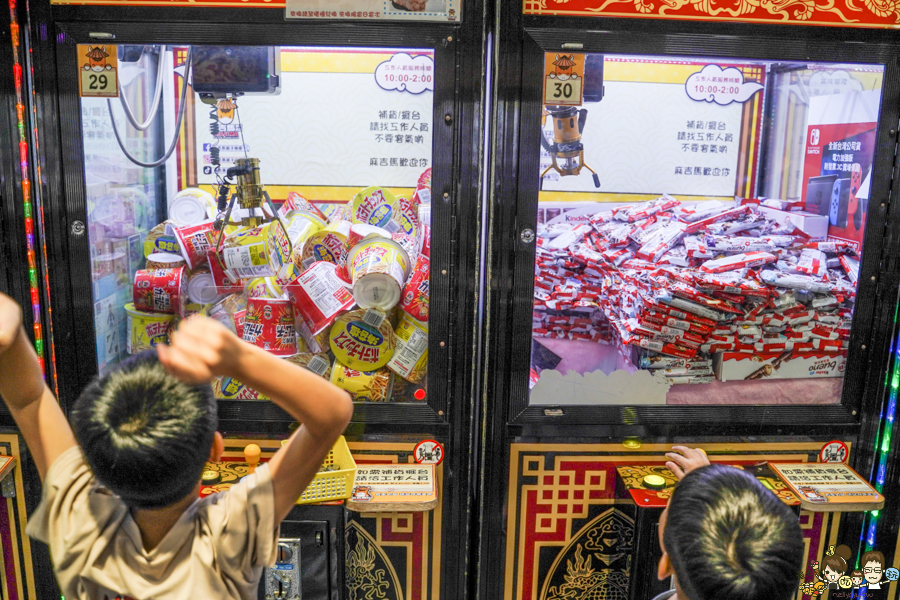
362 339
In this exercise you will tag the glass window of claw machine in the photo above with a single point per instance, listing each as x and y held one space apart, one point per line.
282 190
703 227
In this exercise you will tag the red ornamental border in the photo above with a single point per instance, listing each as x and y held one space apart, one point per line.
833 13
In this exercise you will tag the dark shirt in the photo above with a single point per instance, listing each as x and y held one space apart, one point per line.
665 595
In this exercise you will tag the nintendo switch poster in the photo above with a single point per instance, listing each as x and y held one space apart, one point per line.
840 145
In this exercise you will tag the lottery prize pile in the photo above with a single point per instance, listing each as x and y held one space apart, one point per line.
345 295
698 292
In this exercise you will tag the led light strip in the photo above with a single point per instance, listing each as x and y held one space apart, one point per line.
26 188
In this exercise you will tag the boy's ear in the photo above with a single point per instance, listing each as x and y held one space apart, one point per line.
217 448
664 569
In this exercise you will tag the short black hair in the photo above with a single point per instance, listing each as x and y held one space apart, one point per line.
729 538
145 433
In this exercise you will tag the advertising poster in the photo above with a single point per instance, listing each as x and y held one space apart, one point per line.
840 145
653 127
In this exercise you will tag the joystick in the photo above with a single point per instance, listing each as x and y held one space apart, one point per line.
251 455
855 205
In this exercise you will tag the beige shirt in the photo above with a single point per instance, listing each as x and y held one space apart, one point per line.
217 549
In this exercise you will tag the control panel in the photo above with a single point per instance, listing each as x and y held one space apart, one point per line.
283 580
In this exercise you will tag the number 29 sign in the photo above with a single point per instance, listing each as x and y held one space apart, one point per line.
563 79
98 71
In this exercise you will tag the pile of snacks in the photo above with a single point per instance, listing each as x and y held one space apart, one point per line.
346 296
674 286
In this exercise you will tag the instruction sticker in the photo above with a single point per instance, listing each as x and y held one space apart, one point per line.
98 71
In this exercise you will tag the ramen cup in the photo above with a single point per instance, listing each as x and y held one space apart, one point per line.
224 283
162 260
360 232
263 251
229 388
302 224
408 215
362 339
378 269
146 329
364 386
158 240
194 241
192 206
414 298
201 288
269 324
410 358
159 290
296 201
375 206
329 245
320 295
318 363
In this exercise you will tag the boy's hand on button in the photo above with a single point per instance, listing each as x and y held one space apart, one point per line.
199 350
684 460
10 321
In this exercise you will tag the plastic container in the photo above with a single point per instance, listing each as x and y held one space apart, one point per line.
327 486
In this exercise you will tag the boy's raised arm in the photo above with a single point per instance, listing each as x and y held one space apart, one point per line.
37 413
203 348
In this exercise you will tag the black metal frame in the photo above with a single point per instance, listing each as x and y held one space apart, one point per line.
457 156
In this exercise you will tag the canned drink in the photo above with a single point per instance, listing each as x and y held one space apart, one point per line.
414 298
192 206
364 386
160 290
375 206
320 295
194 241
410 358
161 260
362 339
269 324
146 329
329 245
378 269
262 251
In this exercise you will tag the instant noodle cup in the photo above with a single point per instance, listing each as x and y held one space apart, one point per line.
263 287
330 245
408 215
423 188
320 295
296 201
410 358
424 241
378 269
191 309
301 224
161 260
318 343
195 241
362 339
146 329
160 290
192 206
318 363
238 317
408 243
224 284
359 232
414 298
375 206
258 251
364 386
229 388
201 288
269 324
158 240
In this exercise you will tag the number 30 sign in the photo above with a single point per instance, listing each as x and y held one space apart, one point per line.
563 78
97 67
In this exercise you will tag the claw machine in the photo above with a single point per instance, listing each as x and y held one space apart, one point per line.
690 245
300 176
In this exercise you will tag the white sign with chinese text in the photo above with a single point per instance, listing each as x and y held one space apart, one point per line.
397 10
